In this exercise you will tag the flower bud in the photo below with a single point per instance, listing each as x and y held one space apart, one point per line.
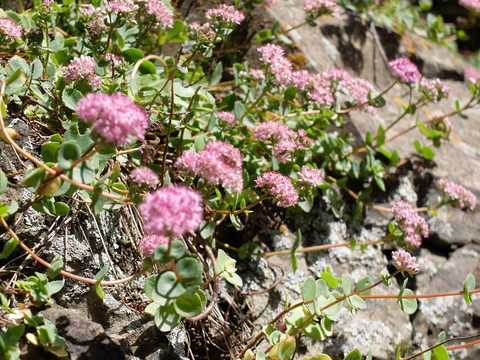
49 187
10 131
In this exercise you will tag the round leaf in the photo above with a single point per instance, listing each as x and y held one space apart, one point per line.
188 305
68 152
166 318
168 286
408 306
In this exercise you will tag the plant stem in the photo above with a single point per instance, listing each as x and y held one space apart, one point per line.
63 272
262 94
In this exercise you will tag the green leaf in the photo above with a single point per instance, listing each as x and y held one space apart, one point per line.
70 97
54 286
368 138
217 74
34 178
428 153
168 286
177 249
417 145
309 293
49 151
3 182
441 337
293 255
207 229
188 305
394 158
441 353
8 248
101 274
363 283
55 268
166 318
357 302
319 357
61 209
354 355
132 55
380 136
4 302
468 285
346 286
408 306
286 348
68 152
329 278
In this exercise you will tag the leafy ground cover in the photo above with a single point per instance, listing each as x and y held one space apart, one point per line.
194 145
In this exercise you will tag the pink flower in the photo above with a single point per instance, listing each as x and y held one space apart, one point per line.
412 224
120 6
280 186
255 73
9 30
403 261
405 70
149 243
226 116
145 176
281 322
81 68
319 7
359 89
172 211
113 58
310 177
284 140
457 194
471 74
219 162
162 13
279 65
116 118
471 4
226 13
270 2
434 89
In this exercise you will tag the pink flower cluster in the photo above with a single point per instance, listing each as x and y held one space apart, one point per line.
270 2
414 227
9 29
434 89
320 7
403 261
219 162
120 6
81 68
149 243
145 176
471 74
162 13
285 140
226 116
113 58
255 73
405 70
204 33
172 211
226 13
457 194
310 177
278 64
471 4
321 88
116 118
280 186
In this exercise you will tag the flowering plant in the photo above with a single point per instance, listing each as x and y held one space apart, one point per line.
192 144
